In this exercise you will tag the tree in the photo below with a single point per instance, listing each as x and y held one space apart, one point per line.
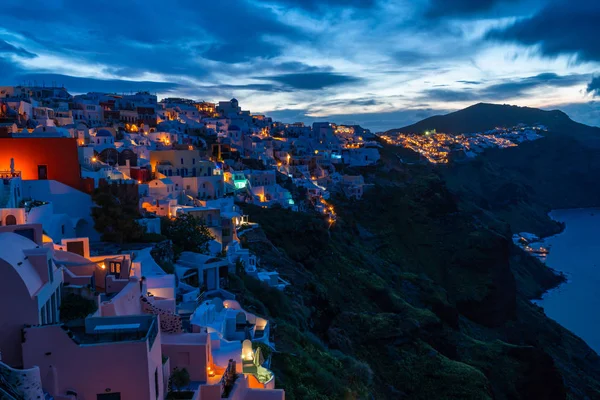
187 233
115 213
180 378
74 306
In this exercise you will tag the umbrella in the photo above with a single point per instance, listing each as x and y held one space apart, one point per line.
258 357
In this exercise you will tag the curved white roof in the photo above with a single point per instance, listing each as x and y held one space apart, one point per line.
11 251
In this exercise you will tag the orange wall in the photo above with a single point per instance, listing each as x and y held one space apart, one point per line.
59 154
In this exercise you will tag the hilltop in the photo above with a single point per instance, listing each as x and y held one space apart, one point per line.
483 116
522 184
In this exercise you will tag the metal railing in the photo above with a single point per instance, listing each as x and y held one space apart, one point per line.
10 174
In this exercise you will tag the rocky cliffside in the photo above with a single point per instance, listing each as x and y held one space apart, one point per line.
420 293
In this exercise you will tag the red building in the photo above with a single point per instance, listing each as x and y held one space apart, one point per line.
42 158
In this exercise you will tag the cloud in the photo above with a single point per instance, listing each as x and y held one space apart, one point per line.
587 113
507 89
518 87
313 80
375 121
561 28
455 8
594 86
84 85
7 48
319 4
449 95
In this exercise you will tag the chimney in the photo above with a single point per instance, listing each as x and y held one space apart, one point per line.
38 257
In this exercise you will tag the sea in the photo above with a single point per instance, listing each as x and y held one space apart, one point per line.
576 252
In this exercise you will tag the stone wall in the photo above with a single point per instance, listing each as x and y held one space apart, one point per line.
24 383
169 322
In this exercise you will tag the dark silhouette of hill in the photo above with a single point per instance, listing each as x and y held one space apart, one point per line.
482 116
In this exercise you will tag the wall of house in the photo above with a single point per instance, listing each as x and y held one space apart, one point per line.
58 154
190 159
18 213
212 186
65 200
93 369
169 321
126 302
16 308
191 356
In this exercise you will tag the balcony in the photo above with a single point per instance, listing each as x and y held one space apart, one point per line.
99 330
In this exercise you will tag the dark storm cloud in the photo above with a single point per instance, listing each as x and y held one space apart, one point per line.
594 86
84 85
449 95
376 121
562 27
453 8
312 80
518 87
152 36
586 113
364 102
316 4
258 87
7 48
7 70
507 89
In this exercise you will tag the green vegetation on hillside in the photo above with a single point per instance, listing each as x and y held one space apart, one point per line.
413 293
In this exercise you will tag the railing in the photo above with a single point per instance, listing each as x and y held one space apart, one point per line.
10 174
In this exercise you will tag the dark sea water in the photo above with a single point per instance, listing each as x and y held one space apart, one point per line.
576 252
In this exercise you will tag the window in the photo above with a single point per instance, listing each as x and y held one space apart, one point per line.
193 161
188 187
62 229
182 161
114 267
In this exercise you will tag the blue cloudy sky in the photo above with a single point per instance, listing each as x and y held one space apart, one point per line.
381 63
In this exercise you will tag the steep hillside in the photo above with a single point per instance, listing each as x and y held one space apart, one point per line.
481 117
521 184
413 294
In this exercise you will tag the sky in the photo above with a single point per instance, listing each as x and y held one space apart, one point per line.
379 63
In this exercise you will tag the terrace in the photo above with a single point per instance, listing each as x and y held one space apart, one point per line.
99 330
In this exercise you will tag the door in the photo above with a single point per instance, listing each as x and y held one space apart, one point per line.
109 396
42 172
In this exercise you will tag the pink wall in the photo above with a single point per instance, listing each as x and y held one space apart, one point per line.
92 369
184 353
16 308
114 284
212 392
126 302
